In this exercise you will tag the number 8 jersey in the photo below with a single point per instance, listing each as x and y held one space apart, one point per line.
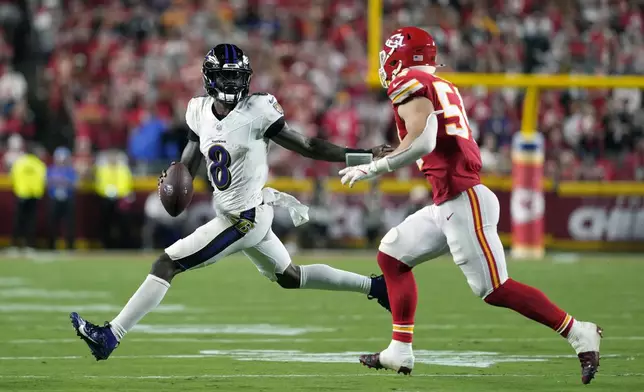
236 147
454 165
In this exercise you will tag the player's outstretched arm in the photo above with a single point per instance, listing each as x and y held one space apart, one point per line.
316 148
422 128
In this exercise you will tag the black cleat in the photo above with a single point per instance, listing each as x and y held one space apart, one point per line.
589 362
379 291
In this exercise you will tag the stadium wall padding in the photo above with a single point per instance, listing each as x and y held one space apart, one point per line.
590 216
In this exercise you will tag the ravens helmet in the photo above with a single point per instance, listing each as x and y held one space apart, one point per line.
226 73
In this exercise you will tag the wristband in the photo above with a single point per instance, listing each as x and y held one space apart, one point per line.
356 151
381 166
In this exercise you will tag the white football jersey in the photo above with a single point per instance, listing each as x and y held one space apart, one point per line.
235 148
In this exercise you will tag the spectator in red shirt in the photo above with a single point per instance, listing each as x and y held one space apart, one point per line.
341 122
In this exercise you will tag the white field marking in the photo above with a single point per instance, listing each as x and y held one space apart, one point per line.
98 308
53 294
233 329
311 340
11 281
38 358
352 375
470 359
476 359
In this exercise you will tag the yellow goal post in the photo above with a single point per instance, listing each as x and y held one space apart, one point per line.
532 83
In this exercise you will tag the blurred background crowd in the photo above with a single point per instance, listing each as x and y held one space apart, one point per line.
110 79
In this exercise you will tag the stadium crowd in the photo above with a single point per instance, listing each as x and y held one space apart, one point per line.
122 72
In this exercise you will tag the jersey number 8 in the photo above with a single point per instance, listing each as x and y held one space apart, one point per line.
219 168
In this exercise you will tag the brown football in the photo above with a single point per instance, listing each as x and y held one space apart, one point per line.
175 189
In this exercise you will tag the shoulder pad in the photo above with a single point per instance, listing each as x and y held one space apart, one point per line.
403 87
265 100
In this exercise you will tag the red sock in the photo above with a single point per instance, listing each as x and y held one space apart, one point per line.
531 303
403 296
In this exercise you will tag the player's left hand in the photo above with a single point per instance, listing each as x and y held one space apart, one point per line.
353 174
382 150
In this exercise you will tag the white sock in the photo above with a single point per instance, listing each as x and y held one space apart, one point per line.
584 336
146 298
323 277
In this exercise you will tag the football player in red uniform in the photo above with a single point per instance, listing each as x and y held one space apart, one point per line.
434 132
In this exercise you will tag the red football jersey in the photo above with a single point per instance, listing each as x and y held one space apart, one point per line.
454 165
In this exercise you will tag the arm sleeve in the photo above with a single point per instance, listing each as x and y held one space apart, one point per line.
192 136
421 146
275 128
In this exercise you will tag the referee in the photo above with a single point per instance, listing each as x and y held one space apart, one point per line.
28 178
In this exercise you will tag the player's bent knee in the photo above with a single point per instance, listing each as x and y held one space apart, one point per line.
480 287
165 268
290 278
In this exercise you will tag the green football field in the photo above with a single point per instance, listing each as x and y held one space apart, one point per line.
227 328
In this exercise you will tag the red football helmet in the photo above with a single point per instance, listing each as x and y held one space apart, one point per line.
406 47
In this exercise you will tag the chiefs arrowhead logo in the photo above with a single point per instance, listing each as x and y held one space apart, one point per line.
526 205
395 41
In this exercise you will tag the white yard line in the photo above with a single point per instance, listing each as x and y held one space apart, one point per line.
208 354
225 376
310 340
95 308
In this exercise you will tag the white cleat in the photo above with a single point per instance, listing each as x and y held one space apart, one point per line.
585 338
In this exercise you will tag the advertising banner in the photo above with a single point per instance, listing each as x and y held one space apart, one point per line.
574 222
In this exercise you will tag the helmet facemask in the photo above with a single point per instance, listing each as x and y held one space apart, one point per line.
385 79
381 71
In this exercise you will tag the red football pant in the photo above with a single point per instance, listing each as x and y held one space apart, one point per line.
403 296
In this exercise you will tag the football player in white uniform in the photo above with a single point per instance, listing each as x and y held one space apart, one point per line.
232 130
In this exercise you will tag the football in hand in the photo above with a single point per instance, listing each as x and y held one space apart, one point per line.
175 189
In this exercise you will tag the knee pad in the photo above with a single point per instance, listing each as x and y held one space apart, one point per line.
390 244
290 278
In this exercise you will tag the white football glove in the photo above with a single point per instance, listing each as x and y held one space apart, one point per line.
353 174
